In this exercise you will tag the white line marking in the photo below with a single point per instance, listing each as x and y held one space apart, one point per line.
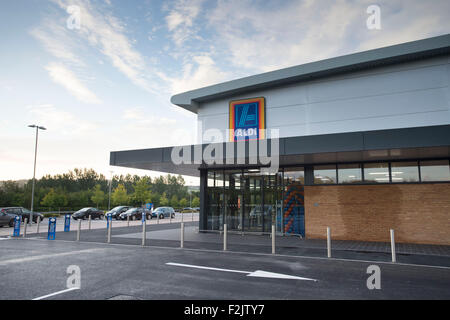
46 256
206 268
257 273
56 293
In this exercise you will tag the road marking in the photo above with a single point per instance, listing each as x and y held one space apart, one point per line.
257 273
46 256
56 293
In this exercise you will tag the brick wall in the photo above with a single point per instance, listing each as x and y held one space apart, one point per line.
419 213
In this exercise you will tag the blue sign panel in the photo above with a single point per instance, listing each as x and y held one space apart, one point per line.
149 206
16 232
143 215
247 118
51 229
108 220
67 223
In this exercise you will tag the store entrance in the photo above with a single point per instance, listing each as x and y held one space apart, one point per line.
251 201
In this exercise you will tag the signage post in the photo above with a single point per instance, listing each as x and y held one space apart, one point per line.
67 223
16 232
51 228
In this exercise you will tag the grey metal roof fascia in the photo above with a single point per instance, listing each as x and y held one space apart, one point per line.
366 59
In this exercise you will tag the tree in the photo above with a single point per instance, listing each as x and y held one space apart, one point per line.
98 196
163 201
196 202
142 191
119 196
183 203
174 201
54 199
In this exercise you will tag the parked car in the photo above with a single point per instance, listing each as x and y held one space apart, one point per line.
135 214
86 212
6 217
116 211
23 213
187 210
163 212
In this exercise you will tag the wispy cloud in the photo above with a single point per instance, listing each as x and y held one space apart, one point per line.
66 78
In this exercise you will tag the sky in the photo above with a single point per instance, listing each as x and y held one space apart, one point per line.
99 74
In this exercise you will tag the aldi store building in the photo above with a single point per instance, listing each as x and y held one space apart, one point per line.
359 143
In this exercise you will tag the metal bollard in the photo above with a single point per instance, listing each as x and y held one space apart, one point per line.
192 215
109 231
225 231
182 236
170 218
25 227
182 215
329 242
143 233
79 229
38 222
128 221
90 219
157 218
394 258
273 239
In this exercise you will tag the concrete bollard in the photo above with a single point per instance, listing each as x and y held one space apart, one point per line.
90 219
182 236
394 258
79 229
273 239
225 231
329 242
144 226
25 227
38 222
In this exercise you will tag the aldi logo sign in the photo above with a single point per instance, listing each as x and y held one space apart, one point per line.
247 118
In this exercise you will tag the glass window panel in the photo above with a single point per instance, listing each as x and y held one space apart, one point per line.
376 172
325 174
349 173
210 179
405 171
296 174
437 170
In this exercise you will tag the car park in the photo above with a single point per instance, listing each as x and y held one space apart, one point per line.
163 212
86 212
23 213
135 214
6 218
116 211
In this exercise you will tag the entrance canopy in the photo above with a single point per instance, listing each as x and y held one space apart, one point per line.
394 144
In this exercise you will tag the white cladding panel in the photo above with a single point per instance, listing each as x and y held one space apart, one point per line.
406 95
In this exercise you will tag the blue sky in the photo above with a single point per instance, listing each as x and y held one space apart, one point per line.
107 85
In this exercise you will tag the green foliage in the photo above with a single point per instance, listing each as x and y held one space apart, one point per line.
174 201
196 202
86 188
98 196
183 203
119 196
54 199
163 201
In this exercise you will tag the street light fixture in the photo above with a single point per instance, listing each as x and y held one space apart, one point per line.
34 171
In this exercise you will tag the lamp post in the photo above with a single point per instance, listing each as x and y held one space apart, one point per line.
110 184
34 171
